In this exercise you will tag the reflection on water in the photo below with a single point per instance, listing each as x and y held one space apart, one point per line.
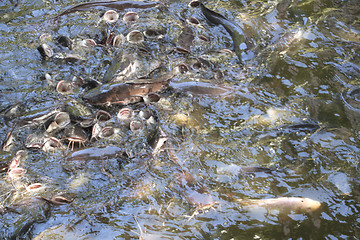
283 124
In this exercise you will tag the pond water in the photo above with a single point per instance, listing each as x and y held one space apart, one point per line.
282 124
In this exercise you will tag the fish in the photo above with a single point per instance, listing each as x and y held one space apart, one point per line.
125 67
297 205
97 154
140 90
255 169
305 127
56 200
186 39
115 5
3 168
122 67
241 42
8 142
24 216
122 93
202 88
194 191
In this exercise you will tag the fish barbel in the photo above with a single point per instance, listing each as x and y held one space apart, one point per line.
284 204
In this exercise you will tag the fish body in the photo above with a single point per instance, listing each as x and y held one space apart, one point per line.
21 217
122 67
201 88
285 204
139 90
116 5
123 93
240 42
186 38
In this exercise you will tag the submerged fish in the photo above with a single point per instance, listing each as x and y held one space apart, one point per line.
202 88
284 204
116 5
23 216
240 42
194 191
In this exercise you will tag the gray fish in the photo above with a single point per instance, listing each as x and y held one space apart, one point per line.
202 88
123 93
240 42
186 39
116 5
123 66
136 91
23 216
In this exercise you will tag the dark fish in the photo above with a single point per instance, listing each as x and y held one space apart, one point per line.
240 42
249 169
3 167
56 200
158 141
45 51
23 216
12 111
43 116
355 93
122 67
65 42
123 93
201 63
186 39
311 127
139 90
8 142
116 5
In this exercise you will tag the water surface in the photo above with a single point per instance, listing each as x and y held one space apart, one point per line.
294 109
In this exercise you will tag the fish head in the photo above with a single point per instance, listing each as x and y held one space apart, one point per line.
308 205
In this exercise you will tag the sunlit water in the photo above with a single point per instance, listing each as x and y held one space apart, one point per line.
306 71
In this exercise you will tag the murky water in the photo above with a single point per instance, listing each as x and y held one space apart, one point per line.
293 110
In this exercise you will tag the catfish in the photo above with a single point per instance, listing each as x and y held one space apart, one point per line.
115 5
241 42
